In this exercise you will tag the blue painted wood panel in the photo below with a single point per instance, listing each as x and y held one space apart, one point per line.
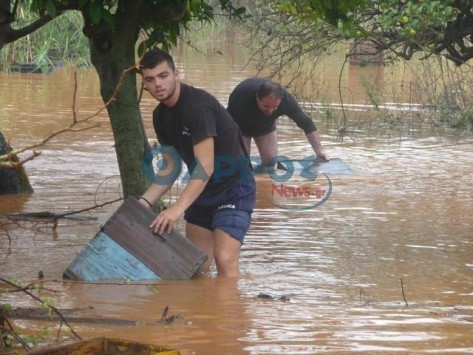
104 259
171 256
126 248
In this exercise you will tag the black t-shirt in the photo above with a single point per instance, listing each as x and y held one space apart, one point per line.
198 115
243 107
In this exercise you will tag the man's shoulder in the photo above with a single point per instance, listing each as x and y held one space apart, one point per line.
195 91
288 98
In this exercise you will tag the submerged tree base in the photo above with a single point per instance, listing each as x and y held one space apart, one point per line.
12 180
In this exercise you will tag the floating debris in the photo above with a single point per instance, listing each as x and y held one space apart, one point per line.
270 297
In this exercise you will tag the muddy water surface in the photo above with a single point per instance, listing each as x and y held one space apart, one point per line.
384 266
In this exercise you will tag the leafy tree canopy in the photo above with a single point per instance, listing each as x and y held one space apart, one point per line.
404 27
161 21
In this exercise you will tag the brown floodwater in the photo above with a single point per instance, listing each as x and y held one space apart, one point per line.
385 265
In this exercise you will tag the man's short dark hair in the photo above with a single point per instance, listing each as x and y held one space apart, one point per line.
269 87
154 57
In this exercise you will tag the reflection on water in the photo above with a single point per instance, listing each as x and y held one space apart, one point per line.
334 272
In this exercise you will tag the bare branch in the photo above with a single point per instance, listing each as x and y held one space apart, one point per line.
42 302
55 216
8 328
8 160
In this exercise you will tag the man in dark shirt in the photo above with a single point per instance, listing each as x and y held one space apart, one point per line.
255 104
218 199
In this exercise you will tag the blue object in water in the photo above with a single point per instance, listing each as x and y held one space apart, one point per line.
104 259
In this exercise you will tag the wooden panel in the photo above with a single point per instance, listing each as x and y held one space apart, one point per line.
104 259
103 346
334 166
171 256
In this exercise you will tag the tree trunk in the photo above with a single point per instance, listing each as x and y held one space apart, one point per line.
112 52
12 180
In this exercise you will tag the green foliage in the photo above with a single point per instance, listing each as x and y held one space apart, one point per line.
44 7
48 304
355 18
6 308
60 41
459 120
410 19
12 337
454 114
37 338
63 39
163 32
336 11
403 27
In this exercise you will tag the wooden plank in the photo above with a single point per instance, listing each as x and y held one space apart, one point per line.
171 256
103 346
334 166
104 259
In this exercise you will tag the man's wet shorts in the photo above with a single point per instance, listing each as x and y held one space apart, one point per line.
229 210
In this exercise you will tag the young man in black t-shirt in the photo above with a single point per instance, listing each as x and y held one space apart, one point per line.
218 199
255 104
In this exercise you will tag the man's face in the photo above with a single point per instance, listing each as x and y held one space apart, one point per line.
268 104
160 81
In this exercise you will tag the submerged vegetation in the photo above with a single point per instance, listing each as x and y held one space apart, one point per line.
402 98
60 42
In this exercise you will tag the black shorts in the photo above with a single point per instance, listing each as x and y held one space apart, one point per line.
229 210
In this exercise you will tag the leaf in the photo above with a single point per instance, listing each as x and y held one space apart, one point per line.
51 8
109 19
7 308
95 13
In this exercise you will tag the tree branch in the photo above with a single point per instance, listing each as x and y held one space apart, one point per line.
12 35
7 160
42 302
55 216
